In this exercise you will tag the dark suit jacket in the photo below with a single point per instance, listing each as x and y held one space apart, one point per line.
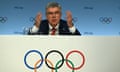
63 29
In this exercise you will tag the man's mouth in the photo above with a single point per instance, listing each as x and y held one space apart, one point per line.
53 20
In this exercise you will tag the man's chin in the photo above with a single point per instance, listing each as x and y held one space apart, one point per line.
54 23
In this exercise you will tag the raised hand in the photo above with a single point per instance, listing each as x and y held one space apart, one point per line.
69 18
38 19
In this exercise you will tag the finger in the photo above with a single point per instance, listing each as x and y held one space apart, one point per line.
38 19
68 14
39 15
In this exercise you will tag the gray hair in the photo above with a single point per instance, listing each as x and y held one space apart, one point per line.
53 4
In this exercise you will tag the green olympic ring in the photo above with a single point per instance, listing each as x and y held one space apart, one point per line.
61 61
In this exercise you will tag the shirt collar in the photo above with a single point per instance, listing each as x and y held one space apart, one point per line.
52 27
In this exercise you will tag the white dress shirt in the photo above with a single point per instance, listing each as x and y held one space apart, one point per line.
35 29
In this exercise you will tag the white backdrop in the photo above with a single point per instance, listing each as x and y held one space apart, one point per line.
101 54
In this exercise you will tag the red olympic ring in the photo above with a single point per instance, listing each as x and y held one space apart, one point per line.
83 62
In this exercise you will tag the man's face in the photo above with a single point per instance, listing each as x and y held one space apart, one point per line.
53 15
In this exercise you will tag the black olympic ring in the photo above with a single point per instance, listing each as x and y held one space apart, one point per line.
60 55
3 19
105 20
57 66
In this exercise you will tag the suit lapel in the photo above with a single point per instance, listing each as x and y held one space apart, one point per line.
46 29
62 27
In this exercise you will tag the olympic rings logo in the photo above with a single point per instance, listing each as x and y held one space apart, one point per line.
32 19
59 63
105 20
3 19
74 19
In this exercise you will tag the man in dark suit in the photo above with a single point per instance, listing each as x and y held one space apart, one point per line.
54 25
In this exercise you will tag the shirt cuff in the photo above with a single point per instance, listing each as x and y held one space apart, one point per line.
72 29
34 29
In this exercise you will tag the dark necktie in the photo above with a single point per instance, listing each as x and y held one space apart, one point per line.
53 31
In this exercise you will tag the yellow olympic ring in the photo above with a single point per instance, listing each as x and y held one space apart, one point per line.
35 66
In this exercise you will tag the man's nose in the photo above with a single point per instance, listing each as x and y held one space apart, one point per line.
54 16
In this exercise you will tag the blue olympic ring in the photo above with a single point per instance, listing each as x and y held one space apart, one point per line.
31 52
